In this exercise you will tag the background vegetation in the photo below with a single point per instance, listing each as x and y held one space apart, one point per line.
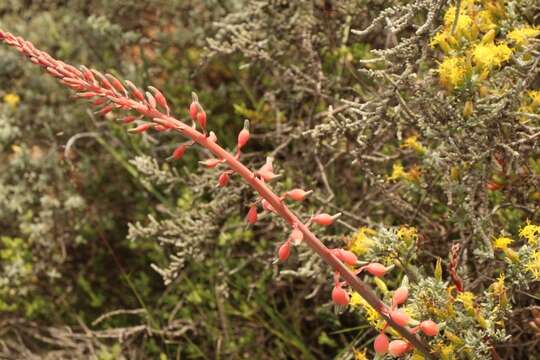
419 125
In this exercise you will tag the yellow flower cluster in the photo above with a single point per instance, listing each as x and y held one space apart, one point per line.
360 355
499 290
407 234
533 265
362 241
398 173
522 35
452 71
531 233
469 42
467 299
412 143
372 315
487 56
502 243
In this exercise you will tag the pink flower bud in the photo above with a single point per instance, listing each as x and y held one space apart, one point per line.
376 269
347 257
381 344
193 110
151 100
107 109
429 327
266 175
284 251
116 83
243 138
141 128
400 296
398 347
323 219
340 296
252 215
128 119
223 179
160 99
296 236
400 317
179 152
201 119
137 93
211 163
297 194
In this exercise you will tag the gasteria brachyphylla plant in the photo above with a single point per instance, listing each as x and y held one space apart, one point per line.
150 110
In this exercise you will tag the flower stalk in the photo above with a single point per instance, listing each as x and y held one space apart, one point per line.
108 94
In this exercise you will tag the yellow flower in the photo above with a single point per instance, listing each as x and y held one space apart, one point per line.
491 55
407 234
361 242
360 355
467 298
412 143
522 35
535 96
499 290
533 265
531 233
452 71
444 39
502 243
398 172
372 315
485 21
465 24
488 54
12 99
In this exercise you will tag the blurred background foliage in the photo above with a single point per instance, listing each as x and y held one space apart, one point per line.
109 251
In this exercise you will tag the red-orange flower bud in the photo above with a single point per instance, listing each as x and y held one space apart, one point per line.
381 344
340 296
252 215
